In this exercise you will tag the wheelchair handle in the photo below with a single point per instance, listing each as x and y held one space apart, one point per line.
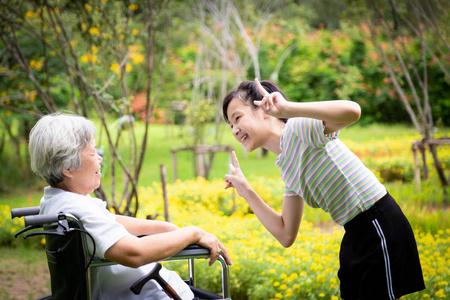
24 211
40 219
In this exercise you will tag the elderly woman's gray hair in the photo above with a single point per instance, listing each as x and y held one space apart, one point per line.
55 144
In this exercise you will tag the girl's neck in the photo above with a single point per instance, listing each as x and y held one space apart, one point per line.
274 135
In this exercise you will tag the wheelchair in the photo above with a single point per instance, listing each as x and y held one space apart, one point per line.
71 265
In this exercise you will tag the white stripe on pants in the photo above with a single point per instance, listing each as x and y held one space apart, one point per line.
387 264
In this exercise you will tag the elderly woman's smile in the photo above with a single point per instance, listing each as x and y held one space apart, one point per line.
86 178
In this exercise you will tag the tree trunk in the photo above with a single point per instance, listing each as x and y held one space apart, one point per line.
440 172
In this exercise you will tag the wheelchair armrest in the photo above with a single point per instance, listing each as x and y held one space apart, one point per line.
191 251
24 211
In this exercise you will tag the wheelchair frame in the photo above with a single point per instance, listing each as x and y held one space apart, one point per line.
63 223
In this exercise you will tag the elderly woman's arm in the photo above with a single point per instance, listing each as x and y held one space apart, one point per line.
135 252
144 227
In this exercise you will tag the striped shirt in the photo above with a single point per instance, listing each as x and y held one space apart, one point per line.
324 172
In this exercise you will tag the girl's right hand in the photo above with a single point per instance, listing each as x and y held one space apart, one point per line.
273 104
236 178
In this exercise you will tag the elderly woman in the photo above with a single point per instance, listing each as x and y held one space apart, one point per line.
62 150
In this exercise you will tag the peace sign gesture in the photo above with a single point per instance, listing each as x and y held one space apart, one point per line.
236 178
273 104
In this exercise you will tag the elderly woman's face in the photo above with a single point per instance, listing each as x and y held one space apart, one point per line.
86 179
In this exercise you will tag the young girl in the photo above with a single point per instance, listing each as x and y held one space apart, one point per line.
378 255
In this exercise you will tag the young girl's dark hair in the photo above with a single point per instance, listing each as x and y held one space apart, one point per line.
247 92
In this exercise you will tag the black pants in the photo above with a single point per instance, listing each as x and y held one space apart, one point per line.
378 256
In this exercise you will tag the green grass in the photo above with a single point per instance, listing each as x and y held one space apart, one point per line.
22 198
164 138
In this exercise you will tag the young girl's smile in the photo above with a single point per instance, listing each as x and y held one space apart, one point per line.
246 124
252 127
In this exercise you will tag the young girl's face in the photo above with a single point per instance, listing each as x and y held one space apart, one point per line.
247 124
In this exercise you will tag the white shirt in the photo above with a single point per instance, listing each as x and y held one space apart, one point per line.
108 282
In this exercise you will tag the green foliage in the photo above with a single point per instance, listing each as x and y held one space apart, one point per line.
343 64
199 114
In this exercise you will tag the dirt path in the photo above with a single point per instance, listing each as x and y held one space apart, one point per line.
23 274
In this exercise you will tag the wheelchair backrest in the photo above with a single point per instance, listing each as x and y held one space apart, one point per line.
67 261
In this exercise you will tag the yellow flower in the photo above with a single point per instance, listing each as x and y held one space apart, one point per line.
440 293
94 31
30 95
137 58
87 7
334 298
36 64
133 7
135 32
115 67
134 48
443 282
94 49
85 58
29 14
88 58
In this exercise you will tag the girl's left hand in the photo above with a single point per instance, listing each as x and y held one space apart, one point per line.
273 104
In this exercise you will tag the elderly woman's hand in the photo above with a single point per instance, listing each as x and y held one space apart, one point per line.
211 242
